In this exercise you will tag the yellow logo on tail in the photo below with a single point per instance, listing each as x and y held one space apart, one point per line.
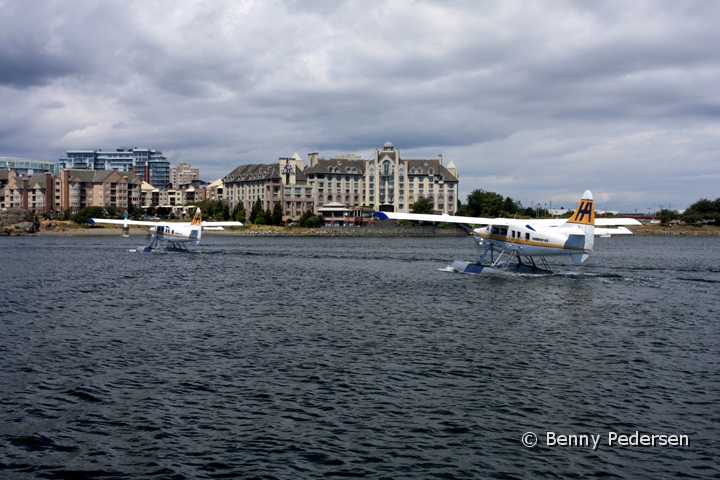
197 219
584 213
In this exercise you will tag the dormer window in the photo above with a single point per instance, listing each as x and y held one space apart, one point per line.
431 171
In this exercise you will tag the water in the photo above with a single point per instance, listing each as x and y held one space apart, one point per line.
353 357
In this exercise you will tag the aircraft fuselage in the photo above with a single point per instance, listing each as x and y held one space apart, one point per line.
530 240
176 233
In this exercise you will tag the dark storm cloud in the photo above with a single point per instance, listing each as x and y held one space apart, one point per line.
517 94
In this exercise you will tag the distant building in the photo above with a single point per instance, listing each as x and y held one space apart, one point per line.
193 191
76 189
26 166
149 165
34 192
343 185
216 190
284 181
183 174
73 190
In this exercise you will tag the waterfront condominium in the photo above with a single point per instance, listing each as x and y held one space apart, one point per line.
149 165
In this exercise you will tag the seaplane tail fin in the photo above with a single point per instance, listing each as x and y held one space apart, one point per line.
197 219
196 233
584 218
585 211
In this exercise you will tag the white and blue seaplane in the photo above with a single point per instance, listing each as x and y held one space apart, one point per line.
171 236
513 245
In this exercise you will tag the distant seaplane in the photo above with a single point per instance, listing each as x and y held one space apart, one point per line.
529 239
170 235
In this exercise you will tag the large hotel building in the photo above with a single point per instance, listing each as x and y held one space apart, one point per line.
345 183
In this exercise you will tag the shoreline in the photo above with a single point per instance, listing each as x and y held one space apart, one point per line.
346 232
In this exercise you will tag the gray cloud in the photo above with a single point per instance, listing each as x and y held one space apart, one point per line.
537 100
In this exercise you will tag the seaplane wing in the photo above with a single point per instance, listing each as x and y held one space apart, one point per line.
599 222
221 224
171 235
125 222
543 222
145 223
606 232
439 218
608 222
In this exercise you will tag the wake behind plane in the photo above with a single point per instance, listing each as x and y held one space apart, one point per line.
171 235
524 241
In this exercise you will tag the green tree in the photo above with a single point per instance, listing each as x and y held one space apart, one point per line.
260 218
113 211
214 209
422 205
277 214
268 217
510 207
463 210
256 208
313 221
666 216
88 212
303 220
238 213
703 210
485 204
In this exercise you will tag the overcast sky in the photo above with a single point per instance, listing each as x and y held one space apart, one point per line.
536 100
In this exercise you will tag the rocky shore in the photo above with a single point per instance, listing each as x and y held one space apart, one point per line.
18 222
